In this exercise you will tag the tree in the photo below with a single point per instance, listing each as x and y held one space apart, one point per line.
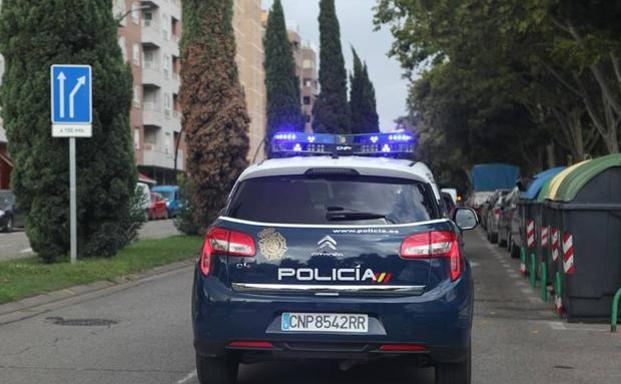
331 110
214 109
32 38
284 112
364 118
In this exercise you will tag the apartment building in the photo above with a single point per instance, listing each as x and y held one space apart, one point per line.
149 39
249 38
305 59
148 36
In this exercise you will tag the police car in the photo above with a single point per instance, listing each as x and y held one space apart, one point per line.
336 248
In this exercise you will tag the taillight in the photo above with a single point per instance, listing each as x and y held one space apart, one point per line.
497 212
434 244
225 242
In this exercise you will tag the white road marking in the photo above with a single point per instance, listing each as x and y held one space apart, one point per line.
187 378
26 250
474 264
514 275
527 291
557 326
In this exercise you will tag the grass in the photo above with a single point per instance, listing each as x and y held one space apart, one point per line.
28 277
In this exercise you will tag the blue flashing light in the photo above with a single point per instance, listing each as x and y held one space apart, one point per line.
373 144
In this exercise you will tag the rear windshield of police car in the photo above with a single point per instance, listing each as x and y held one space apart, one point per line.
334 199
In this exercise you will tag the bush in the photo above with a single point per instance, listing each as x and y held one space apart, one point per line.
185 216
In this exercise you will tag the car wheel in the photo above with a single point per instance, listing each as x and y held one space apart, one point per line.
455 373
502 243
9 225
515 251
216 370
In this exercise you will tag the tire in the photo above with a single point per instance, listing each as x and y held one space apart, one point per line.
515 252
8 228
455 373
502 243
216 370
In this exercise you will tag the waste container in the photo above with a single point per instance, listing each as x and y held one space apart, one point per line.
530 211
552 218
587 206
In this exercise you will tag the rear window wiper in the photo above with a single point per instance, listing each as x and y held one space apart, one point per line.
349 215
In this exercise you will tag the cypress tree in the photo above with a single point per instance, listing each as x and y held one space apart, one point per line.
33 36
331 109
362 99
214 109
372 118
281 82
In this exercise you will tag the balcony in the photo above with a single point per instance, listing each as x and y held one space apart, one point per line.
151 34
162 157
151 74
152 114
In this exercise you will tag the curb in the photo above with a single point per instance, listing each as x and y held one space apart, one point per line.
32 306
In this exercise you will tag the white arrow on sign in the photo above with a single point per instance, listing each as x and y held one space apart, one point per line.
61 86
81 82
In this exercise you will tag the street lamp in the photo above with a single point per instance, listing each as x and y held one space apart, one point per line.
137 9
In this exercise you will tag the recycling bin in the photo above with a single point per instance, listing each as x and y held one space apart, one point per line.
552 217
534 232
587 209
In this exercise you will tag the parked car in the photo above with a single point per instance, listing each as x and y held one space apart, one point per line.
476 200
171 194
449 204
10 215
508 209
157 209
492 214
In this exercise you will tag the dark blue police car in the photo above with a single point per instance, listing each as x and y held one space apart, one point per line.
334 252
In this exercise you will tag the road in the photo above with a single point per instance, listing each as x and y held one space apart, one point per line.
517 339
16 245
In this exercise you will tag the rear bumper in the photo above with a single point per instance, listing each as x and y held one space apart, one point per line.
440 320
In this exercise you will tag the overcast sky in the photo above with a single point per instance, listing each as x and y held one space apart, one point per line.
356 19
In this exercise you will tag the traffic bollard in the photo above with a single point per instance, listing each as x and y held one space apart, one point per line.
615 311
533 270
544 281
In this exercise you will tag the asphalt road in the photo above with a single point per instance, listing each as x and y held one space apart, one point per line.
16 245
517 339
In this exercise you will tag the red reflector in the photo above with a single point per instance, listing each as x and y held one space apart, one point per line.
402 348
251 344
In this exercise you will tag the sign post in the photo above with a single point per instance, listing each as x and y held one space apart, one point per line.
72 116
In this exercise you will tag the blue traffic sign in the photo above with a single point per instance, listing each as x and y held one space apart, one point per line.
72 96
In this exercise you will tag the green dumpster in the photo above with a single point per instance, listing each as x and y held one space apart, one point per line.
586 209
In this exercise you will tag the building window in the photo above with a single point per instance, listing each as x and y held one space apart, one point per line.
307 100
165 26
308 118
119 11
167 62
147 18
135 13
136 138
123 46
307 64
136 54
167 104
136 98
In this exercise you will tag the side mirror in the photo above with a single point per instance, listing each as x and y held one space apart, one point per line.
466 218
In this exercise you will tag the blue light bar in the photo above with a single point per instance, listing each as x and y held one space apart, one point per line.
375 144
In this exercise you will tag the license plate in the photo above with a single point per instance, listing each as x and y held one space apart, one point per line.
325 322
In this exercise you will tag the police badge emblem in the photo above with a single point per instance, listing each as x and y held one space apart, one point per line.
272 244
